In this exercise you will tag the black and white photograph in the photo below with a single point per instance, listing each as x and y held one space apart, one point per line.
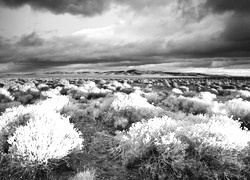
124 90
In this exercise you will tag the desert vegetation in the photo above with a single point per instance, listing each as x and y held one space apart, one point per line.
138 128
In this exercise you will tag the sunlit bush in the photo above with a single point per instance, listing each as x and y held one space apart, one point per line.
134 100
42 139
188 105
202 104
154 98
51 93
244 94
4 106
88 174
194 147
240 110
16 116
28 87
37 138
177 91
5 95
207 96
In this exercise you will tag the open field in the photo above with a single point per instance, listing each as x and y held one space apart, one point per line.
124 126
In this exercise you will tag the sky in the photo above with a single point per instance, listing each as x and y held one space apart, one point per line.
209 36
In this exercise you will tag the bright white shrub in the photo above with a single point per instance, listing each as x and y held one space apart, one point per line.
41 86
195 105
126 85
217 131
51 93
47 135
218 108
28 86
116 84
239 109
123 101
86 175
12 114
177 91
90 87
152 97
6 93
55 103
207 96
243 93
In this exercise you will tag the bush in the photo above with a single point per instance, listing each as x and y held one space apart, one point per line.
4 106
26 99
190 94
42 139
207 96
203 104
5 96
134 100
188 105
122 110
196 147
38 146
154 98
16 116
96 95
240 110
127 90
177 91
124 118
245 95
88 174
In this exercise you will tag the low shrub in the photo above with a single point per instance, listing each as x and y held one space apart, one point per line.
207 96
5 96
188 105
26 99
4 99
154 98
203 104
239 110
96 95
177 91
190 94
38 145
4 106
245 95
121 110
127 90
123 119
196 147
134 100
14 117
88 174
6 93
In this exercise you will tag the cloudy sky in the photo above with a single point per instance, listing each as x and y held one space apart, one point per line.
170 35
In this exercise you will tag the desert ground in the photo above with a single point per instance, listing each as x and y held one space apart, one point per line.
124 125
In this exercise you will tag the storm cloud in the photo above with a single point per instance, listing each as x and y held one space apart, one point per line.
83 7
30 40
242 6
212 33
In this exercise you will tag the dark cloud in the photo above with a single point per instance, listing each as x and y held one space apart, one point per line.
237 34
31 40
95 7
241 6
83 7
